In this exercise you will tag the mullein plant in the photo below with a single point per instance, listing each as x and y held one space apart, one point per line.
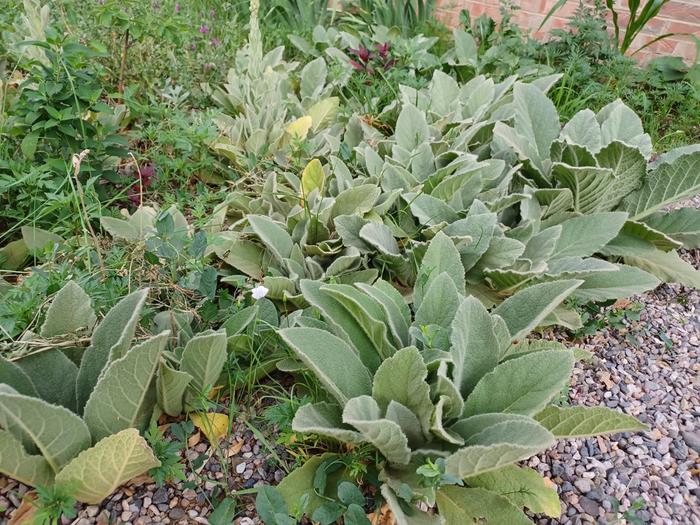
450 395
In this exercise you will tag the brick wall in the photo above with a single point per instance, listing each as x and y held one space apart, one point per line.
678 16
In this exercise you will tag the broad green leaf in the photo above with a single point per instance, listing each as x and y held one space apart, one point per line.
429 210
441 256
69 311
474 348
523 311
667 266
583 129
13 376
682 225
522 386
124 396
277 240
170 389
440 303
523 487
13 255
410 516
465 47
312 178
16 463
619 123
325 420
574 422
334 362
536 118
323 112
402 378
398 315
114 460
358 199
625 282
313 78
203 358
668 183
111 338
628 166
119 228
407 421
498 445
586 235
364 414
56 432
588 185
411 128
479 228
344 324
462 505
36 239
380 237
472 425
367 313
53 375
298 129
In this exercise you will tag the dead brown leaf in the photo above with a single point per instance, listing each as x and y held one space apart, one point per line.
24 515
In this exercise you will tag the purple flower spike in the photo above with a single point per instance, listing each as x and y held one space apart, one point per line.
203 29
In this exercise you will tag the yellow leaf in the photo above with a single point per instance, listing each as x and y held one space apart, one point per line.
299 128
312 178
213 425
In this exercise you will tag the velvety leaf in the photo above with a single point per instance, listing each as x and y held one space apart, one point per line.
312 178
56 432
53 375
323 112
523 311
474 348
364 414
32 470
682 224
97 472
439 304
203 358
111 338
13 376
358 199
627 281
272 235
522 386
586 235
398 315
36 239
523 487
462 505
70 311
325 420
441 256
536 118
170 389
124 396
334 362
574 422
411 128
402 378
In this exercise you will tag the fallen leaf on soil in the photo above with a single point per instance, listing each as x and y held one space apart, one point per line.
385 517
24 515
193 439
622 303
212 424
234 449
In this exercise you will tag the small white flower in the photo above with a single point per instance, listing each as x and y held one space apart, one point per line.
259 292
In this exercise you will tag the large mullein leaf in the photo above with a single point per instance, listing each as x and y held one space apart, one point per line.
522 386
32 470
664 185
498 445
474 349
53 375
203 358
461 505
619 123
97 472
429 210
441 256
523 487
357 199
398 315
386 436
335 363
406 514
70 311
683 225
343 324
536 117
575 422
170 389
367 313
124 396
402 378
588 185
625 282
411 128
583 130
523 311
479 228
325 420
586 235
439 304
13 376
276 238
56 432
112 337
